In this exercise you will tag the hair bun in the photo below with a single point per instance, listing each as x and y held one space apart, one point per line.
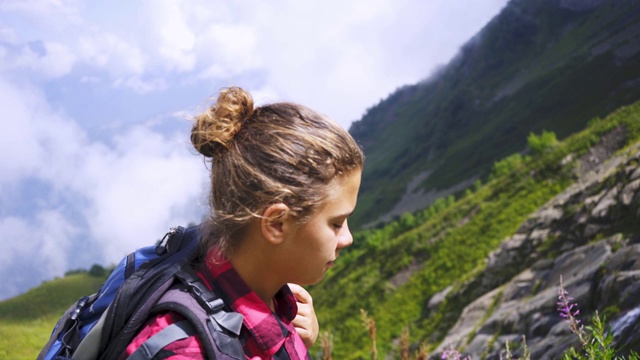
214 129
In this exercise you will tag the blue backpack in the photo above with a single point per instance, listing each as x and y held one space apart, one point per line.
150 280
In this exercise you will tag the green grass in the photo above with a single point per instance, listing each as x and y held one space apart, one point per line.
26 321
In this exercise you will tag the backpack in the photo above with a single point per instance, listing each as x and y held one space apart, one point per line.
150 280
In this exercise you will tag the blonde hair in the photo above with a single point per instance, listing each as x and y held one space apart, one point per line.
276 153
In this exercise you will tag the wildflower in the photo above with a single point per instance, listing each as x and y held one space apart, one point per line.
569 311
453 354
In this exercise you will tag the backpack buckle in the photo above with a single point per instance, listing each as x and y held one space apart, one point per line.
163 245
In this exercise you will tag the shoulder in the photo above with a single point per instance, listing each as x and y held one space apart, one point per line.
187 348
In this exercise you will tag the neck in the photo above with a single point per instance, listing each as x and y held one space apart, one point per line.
257 279
252 265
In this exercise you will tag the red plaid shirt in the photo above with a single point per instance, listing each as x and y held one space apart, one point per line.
265 335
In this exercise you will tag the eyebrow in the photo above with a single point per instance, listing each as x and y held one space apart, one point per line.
345 215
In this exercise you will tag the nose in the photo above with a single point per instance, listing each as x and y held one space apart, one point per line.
344 237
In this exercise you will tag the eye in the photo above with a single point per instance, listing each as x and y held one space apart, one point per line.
339 223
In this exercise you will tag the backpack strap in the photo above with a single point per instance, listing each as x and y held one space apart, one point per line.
174 332
217 327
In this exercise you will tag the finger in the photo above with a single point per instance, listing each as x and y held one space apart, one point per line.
304 309
301 294
301 321
303 328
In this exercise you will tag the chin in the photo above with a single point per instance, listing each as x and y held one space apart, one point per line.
312 281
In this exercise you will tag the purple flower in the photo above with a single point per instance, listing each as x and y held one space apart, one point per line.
452 354
569 311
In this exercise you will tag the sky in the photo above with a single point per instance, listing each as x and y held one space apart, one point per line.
97 96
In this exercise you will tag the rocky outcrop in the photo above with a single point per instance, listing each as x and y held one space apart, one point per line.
590 235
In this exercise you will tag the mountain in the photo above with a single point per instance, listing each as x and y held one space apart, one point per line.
538 65
476 271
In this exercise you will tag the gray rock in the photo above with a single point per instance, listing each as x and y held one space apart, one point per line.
538 236
547 215
479 344
468 321
438 298
626 330
609 199
629 191
521 289
541 324
591 230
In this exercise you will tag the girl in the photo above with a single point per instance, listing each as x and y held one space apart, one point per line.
284 180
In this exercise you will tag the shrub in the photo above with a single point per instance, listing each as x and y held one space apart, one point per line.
97 270
540 143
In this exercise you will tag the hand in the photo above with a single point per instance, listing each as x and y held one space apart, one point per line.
305 322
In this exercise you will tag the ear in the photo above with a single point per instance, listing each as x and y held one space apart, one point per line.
274 223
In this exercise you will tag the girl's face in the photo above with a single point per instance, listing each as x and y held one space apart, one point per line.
315 245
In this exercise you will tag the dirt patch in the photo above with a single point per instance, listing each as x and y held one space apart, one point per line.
415 199
404 275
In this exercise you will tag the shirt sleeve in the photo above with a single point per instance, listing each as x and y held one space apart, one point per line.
186 349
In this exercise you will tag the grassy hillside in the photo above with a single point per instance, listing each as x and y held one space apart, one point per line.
393 271
26 321
535 67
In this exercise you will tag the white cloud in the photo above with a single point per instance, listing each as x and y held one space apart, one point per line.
8 34
57 61
143 185
34 249
339 58
103 201
51 59
69 68
112 53
230 49
89 79
33 18
177 40
141 86
15 228
342 62
19 245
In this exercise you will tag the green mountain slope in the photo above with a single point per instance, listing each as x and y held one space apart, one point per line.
395 271
537 65
26 321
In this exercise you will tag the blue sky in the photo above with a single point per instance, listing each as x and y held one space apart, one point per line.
96 99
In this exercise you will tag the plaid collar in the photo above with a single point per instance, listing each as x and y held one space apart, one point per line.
267 329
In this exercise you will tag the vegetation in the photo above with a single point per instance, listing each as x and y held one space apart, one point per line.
543 142
26 321
392 271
